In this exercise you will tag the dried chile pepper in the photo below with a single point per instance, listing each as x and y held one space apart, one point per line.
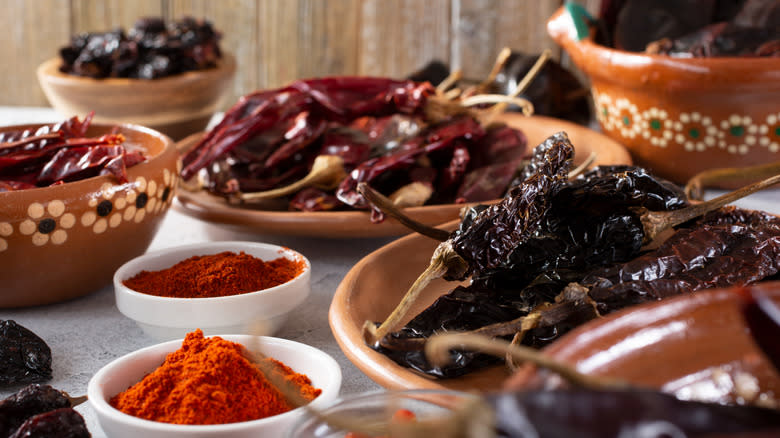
591 235
24 357
151 49
59 153
591 413
508 223
493 232
31 400
401 136
62 423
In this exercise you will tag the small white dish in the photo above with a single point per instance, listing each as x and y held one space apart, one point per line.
127 370
165 318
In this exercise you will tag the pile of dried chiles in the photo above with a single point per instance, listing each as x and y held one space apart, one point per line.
61 152
556 252
397 135
151 49
692 28
35 410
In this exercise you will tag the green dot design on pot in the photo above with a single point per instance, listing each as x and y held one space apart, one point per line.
695 131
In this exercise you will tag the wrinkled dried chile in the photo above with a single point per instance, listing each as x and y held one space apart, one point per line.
60 423
59 153
591 236
24 357
150 49
29 401
612 414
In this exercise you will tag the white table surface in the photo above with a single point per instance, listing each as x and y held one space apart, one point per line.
87 333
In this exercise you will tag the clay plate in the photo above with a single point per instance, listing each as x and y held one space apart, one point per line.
681 345
339 224
654 345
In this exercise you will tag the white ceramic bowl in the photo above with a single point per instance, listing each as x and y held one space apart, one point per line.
166 318
127 370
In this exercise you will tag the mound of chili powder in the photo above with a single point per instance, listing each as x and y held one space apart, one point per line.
217 275
210 381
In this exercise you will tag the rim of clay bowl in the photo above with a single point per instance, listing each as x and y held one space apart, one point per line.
757 74
50 70
168 146
97 397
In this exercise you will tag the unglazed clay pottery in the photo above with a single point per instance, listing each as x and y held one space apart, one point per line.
354 223
695 346
680 116
175 105
64 241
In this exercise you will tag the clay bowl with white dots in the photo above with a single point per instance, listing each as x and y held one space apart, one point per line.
65 241
680 116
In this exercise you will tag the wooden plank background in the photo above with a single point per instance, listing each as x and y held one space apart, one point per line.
276 41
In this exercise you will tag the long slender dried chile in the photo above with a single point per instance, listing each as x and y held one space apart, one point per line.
339 99
436 138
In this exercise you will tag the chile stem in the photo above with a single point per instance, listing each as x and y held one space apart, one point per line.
445 260
384 204
326 171
656 222
438 347
695 187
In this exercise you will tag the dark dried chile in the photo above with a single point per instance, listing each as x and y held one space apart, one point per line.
635 413
693 28
589 224
150 49
29 401
60 423
762 316
515 218
24 357
591 234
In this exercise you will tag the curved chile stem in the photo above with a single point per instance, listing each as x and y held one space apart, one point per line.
655 222
387 207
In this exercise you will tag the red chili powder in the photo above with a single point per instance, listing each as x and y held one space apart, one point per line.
217 275
210 381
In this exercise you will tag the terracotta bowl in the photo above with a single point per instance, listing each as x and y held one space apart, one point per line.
91 226
176 106
677 116
695 346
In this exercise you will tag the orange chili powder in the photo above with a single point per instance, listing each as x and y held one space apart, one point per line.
209 381
217 275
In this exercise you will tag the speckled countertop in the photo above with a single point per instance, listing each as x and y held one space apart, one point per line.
87 333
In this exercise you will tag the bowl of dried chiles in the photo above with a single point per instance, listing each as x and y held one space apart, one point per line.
220 386
167 76
219 287
686 86
77 199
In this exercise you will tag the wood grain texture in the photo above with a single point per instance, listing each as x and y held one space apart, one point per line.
33 32
481 28
238 22
277 41
400 36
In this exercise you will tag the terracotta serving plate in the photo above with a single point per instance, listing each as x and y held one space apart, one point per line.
339 224
656 345
694 346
